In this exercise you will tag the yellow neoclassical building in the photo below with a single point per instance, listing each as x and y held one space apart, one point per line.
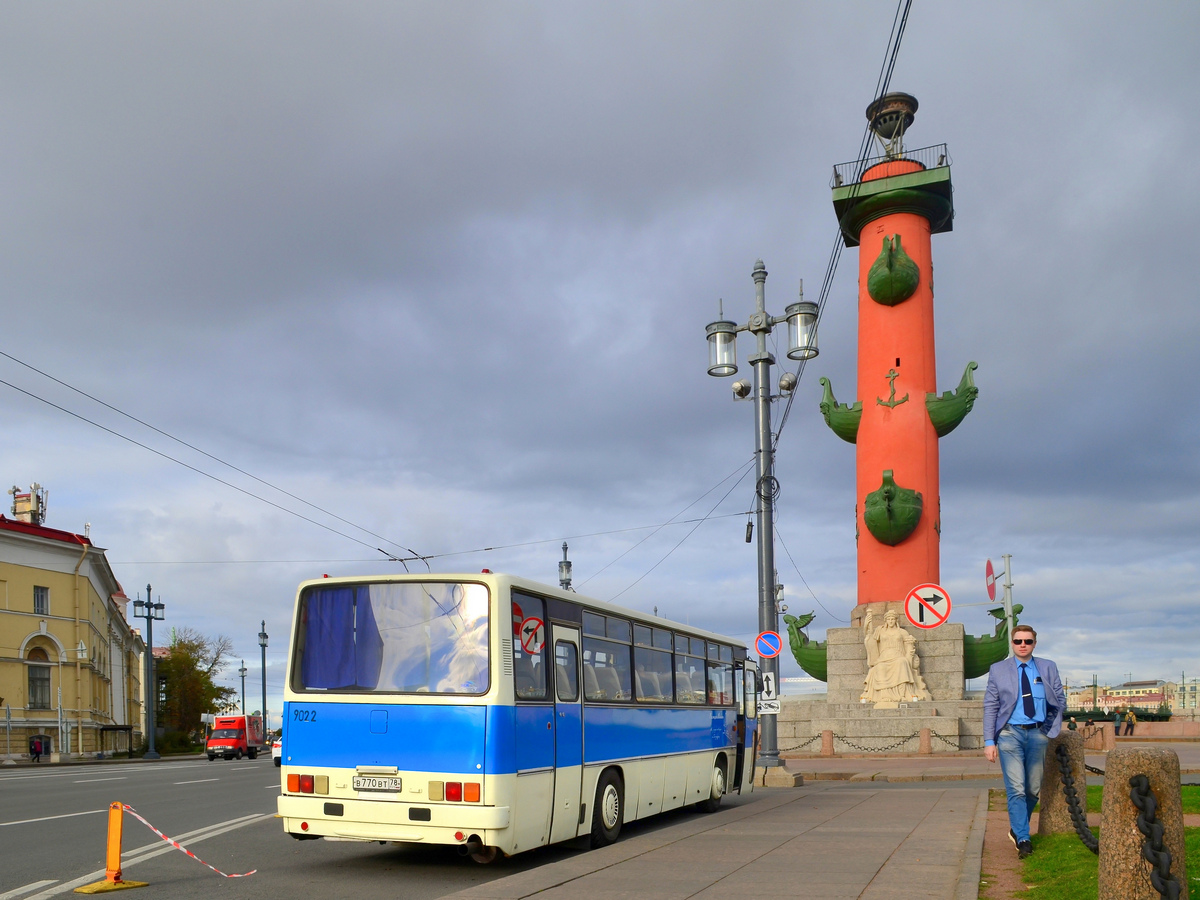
69 661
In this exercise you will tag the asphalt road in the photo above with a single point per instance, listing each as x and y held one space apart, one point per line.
53 824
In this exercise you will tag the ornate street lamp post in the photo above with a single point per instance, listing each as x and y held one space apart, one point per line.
801 319
150 611
262 642
242 671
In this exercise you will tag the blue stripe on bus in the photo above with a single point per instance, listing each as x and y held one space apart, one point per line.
519 738
452 738
621 732
413 738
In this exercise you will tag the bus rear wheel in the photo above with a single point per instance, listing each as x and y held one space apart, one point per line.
716 791
608 811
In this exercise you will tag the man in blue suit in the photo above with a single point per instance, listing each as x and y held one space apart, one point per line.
1022 709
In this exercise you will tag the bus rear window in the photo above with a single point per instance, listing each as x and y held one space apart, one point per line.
417 638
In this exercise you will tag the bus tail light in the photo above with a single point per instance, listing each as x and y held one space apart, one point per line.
454 792
471 792
307 784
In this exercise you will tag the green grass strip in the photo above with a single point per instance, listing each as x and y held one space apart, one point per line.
1061 868
1190 796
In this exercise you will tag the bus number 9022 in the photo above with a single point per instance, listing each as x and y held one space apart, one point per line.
304 715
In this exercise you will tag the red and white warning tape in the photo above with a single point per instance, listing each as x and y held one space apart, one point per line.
178 846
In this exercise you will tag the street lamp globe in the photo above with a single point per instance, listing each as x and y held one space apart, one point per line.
802 330
722 348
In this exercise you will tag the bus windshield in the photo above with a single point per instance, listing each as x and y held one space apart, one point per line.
429 637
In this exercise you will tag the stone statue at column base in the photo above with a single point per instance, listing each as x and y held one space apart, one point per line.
893 667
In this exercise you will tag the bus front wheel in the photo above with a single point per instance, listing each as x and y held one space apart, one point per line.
716 791
608 811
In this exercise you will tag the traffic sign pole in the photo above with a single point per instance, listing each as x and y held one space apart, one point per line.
1008 613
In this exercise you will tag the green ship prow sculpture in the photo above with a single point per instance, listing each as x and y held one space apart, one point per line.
979 653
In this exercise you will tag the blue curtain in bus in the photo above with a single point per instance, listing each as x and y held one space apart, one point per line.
342 645
329 639
368 643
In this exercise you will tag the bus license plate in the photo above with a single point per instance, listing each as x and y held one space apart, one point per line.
376 783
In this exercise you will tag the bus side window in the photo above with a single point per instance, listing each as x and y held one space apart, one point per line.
565 671
529 656
719 677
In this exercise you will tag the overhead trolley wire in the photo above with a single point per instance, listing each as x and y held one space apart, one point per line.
192 468
882 83
214 458
671 521
699 522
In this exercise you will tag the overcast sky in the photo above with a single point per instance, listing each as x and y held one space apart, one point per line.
443 270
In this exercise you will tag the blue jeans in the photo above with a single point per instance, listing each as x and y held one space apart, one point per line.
1022 757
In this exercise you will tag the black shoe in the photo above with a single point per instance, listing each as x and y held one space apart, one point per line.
1024 849
1012 836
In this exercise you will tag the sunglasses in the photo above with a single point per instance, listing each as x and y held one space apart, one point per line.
1023 640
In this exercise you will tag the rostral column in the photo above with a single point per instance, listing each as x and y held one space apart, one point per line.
890 207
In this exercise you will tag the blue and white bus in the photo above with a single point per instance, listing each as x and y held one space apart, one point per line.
497 714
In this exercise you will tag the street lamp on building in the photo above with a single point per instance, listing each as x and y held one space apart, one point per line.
801 319
242 671
149 611
262 642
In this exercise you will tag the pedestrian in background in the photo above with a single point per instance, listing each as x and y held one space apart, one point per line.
1022 709
1117 722
1072 725
35 750
1130 721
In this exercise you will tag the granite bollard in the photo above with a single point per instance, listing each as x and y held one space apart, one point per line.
1123 873
1055 814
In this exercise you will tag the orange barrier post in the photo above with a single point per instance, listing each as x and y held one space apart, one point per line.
112 857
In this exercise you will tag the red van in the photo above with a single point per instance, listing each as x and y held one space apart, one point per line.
234 737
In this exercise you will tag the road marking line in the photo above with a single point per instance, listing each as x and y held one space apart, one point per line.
90 812
91 780
199 781
198 833
198 836
32 886
269 787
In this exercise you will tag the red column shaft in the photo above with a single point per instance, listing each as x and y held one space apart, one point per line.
900 437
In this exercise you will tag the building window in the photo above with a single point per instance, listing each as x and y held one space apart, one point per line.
41 601
39 680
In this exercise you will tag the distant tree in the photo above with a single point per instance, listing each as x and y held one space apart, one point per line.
188 674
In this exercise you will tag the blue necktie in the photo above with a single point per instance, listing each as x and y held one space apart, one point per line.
1027 692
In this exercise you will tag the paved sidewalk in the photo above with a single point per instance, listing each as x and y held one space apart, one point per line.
824 841
869 827
968 765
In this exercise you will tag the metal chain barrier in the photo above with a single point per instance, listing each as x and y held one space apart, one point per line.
898 744
952 744
1078 816
1153 850
807 743
1093 769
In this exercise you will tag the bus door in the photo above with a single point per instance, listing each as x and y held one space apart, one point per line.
568 736
748 747
739 699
